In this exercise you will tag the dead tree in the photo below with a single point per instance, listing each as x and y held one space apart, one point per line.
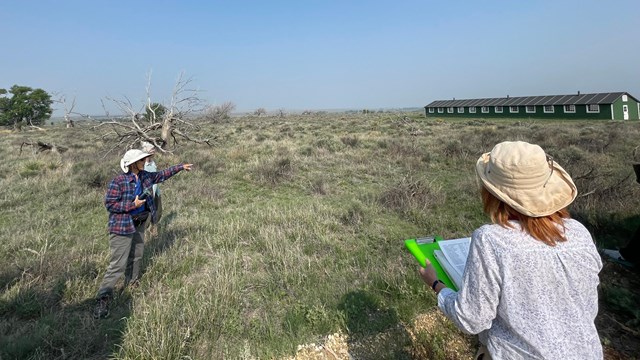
174 123
68 111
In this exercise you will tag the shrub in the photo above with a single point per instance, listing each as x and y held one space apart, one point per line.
91 174
402 149
329 144
275 171
351 141
410 194
456 148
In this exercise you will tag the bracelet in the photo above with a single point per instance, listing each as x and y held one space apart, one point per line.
438 281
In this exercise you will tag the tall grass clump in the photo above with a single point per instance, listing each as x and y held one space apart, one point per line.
411 194
319 186
274 171
351 141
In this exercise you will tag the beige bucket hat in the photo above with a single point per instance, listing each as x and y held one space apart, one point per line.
525 178
131 157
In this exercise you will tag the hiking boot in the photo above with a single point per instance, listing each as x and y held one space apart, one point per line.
101 310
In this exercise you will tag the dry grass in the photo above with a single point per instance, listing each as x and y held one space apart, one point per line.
288 230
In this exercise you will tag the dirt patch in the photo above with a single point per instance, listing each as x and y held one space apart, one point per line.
430 335
433 336
334 346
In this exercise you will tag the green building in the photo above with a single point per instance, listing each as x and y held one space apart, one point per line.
606 106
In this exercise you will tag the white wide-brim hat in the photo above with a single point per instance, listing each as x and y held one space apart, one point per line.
131 157
525 178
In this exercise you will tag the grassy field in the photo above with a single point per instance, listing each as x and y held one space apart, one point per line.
286 239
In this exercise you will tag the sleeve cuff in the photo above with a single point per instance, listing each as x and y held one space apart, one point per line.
443 295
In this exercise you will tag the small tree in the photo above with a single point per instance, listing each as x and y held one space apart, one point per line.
154 112
217 113
24 106
260 112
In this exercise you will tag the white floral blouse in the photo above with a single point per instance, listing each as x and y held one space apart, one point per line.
526 299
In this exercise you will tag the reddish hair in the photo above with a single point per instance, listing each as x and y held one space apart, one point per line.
543 228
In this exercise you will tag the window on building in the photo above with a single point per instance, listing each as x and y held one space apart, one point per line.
472 109
460 109
432 110
570 108
593 108
498 109
514 109
624 98
450 109
531 109
549 109
440 110
485 109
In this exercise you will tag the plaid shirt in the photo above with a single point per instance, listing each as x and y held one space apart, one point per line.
121 193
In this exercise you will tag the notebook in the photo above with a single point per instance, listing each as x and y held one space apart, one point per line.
448 257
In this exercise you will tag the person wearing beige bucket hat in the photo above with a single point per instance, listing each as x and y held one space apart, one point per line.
524 177
129 207
530 282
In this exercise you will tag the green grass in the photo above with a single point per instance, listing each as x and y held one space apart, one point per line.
288 229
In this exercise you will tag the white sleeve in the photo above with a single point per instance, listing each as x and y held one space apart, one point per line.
474 307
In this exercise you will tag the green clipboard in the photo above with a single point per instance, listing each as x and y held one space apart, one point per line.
422 249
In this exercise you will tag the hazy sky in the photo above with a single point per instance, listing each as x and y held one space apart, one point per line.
314 54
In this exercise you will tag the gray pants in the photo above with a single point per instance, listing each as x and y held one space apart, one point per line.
126 258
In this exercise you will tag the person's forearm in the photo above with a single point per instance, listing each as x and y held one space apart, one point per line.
165 174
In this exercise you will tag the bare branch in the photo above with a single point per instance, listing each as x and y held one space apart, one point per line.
199 141
157 123
219 112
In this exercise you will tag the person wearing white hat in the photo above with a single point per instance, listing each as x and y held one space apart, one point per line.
530 282
129 207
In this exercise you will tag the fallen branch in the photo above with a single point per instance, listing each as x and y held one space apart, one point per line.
42 147
199 141
624 327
